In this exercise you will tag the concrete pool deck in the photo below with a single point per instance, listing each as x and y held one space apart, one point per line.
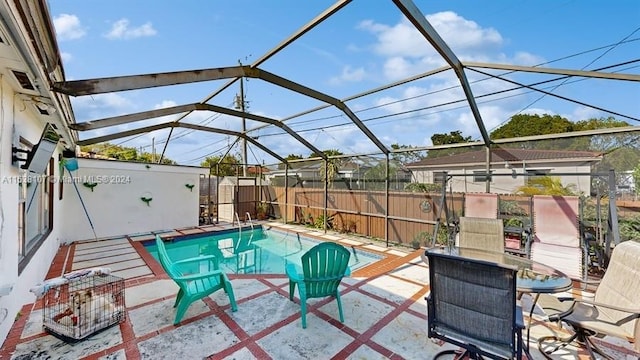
385 313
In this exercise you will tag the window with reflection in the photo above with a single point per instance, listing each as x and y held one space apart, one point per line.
35 216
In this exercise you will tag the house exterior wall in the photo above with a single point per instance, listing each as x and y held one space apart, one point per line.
504 183
16 120
115 206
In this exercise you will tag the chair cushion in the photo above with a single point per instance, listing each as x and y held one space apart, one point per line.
566 259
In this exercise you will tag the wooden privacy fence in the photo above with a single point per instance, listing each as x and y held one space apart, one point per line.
363 211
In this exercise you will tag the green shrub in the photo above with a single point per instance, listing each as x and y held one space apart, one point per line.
629 228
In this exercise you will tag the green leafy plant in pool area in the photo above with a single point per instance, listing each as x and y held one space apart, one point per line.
319 222
421 238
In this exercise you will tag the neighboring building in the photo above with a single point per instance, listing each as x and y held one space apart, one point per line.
351 175
512 168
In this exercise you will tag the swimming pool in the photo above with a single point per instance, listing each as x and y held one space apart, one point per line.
257 251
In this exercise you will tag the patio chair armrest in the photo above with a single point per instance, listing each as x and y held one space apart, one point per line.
635 311
347 272
211 258
292 273
199 276
519 317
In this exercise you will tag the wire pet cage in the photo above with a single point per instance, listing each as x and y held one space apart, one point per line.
83 306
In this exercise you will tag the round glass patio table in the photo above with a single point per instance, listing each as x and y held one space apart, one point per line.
532 277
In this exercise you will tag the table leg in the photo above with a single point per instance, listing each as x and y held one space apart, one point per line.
533 306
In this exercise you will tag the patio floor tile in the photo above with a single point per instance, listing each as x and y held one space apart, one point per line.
260 313
406 335
413 272
195 340
391 288
140 294
133 272
156 316
50 347
320 340
354 305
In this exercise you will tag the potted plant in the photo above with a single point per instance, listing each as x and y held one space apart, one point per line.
513 233
261 211
423 237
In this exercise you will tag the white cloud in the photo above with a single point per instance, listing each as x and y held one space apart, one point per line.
525 58
406 51
585 113
121 30
68 27
66 57
348 74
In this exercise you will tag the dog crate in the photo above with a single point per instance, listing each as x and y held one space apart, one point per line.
83 306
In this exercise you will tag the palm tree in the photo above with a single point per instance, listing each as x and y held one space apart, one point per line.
332 166
546 185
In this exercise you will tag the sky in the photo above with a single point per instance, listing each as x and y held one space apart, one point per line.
364 46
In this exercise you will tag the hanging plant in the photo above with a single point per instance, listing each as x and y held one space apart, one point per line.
189 186
90 185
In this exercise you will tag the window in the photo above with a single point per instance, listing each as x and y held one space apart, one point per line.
35 217
536 173
481 176
438 177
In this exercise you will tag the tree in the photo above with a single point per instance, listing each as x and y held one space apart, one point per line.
332 165
151 158
289 157
227 166
376 176
406 157
454 137
546 185
532 124
622 151
636 178
123 153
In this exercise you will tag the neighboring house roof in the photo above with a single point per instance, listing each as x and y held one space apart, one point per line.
257 170
502 155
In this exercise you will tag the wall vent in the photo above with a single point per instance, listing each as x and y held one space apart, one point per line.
42 111
23 80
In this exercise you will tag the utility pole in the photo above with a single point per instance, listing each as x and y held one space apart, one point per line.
240 104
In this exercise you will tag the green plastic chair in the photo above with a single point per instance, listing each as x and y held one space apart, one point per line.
195 282
323 266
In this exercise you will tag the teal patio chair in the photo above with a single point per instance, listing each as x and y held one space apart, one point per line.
194 280
323 267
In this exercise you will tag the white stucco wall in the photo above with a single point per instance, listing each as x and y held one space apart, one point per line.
504 183
115 206
17 121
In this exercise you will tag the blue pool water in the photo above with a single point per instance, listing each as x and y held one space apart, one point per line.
257 251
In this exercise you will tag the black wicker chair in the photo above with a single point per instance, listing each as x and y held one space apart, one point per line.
472 304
